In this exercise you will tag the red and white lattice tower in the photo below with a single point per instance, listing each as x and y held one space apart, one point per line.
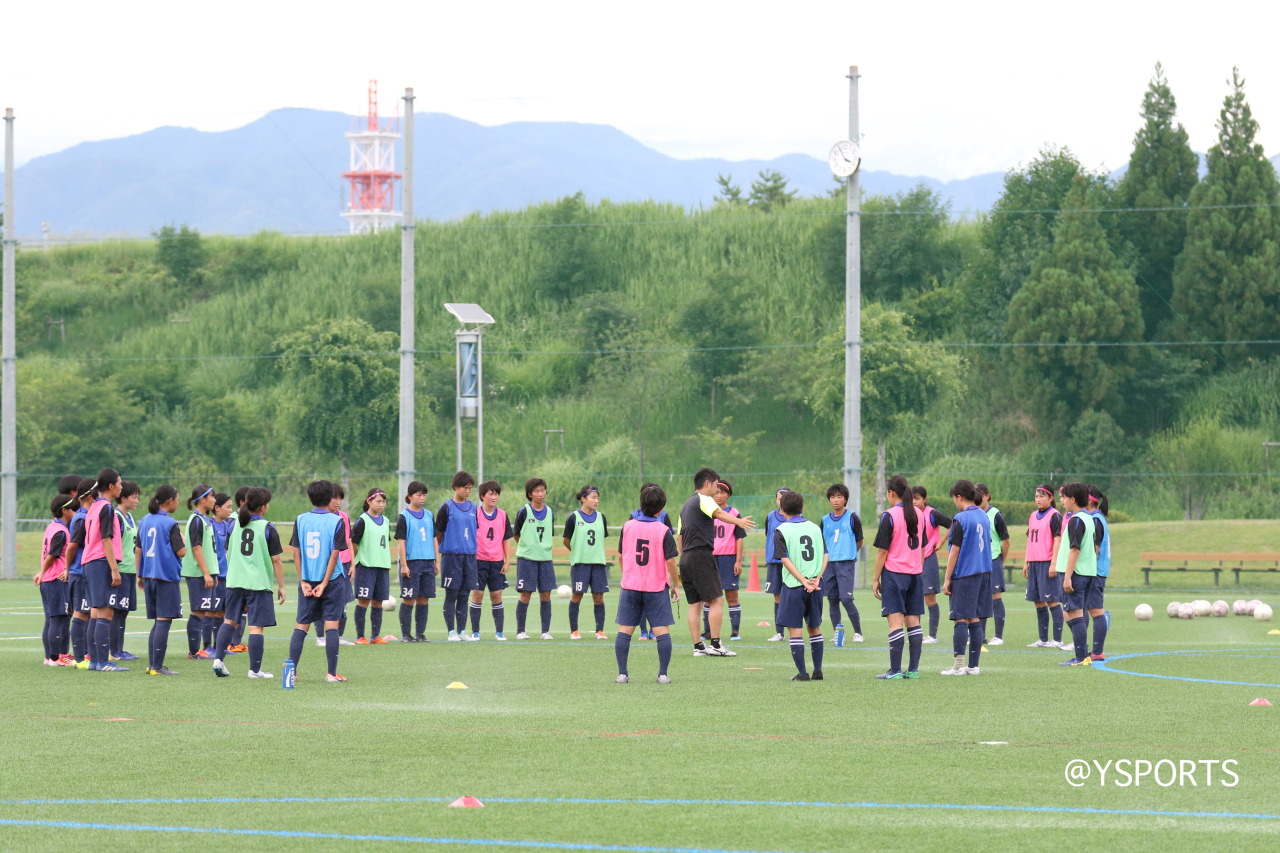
372 174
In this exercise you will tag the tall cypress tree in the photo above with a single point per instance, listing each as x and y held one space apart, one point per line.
1161 175
1078 292
1226 282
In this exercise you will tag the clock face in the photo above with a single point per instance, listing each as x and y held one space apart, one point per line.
845 158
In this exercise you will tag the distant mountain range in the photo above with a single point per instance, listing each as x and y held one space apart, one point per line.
283 172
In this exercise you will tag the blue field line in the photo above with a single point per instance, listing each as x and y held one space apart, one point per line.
594 801
337 836
1106 667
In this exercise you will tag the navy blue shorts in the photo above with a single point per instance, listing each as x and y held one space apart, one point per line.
78 593
651 607
901 593
489 575
800 608
458 571
773 578
421 582
971 597
1041 587
372 584
260 604
326 608
97 579
125 596
203 599
724 562
589 577
1101 583
837 580
56 597
220 590
531 575
1087 594
997 575
933 574
164 598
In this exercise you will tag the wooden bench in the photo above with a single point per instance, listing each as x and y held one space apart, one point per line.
1013 567
1167 561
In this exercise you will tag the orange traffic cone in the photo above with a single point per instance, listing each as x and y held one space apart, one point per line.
753 579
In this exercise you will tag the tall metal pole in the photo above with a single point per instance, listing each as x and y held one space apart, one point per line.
460 337
853 315
407 309
9 379
480 407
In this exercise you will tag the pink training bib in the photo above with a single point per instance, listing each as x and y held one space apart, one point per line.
644 566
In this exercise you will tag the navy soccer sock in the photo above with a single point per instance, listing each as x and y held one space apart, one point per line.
159 643
208 627
599 614
406 618
256 647
295 644
664 653
420 617
997 609
816 646
476 608
319 626
59 626
460 611
735 617
797 654
45 638
776 626
342 623
117 631
1055 613
1079 636
1042 623
499 616
897 639
224 639
100 640
574 607
375 619
238 637
193 634
331 649
854 617
934 613
983 623
622 648
361 612
706 621
976 633
522 615
959 638
450 605
66 638
1099 633
544 610
915 642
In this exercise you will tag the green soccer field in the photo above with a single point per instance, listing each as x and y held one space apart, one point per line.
730 757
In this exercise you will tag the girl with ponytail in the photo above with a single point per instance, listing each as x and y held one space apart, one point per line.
898 580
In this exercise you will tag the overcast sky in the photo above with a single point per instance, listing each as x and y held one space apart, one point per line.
947 89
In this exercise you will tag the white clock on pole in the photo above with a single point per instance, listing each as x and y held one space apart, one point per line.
845 158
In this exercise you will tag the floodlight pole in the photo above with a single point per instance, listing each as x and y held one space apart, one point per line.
407 309
8 378
853 316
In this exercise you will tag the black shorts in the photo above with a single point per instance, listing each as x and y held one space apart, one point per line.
700 576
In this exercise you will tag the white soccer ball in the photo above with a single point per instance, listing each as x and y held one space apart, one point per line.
1240 607
1221 608
1173 608
1203 607
1142 612
389 605
1262 612
1187 611
1251 606
564 590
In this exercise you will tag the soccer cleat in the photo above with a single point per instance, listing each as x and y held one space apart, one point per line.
972 670
1075 662
576 635
1041 644
471 638
83 664
421 638
734 637
725 653
523 635
857 638
705 652
220 669
995 641
126 656
377 641
51 662
645 635
362 641
111 667
663 679
928 640
66 660
238 648
801 676
163 670
259 674
891 674
621 679
546 635
957 669
333 678
1098 658
320 642
601 635
500 637
817 675
454 638
706 635
911 673
203 655
776 637
343 641
408 638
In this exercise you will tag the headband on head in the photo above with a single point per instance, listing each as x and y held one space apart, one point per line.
1040 489
68 503
1095 499
378 493
780 491
586 491
206 494
722 484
